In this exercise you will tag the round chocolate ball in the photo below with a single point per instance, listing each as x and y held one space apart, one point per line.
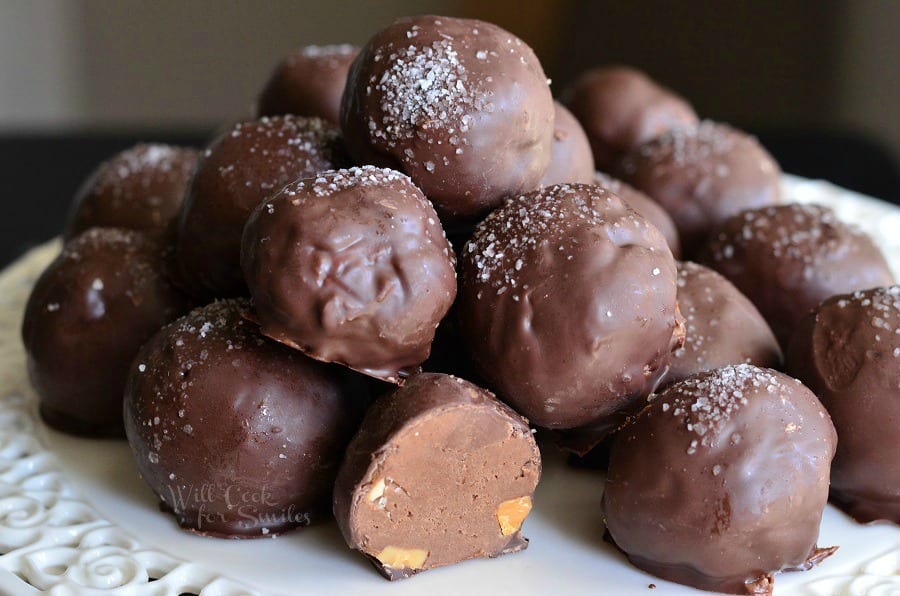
848 352
720 482
141 188
237 435
703 175
309 82
351 267
87 316
621 108
645 206
721 326
788 259
461 106
241 168
570 157
567 301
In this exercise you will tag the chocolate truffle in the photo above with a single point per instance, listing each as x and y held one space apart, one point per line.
645 206
570 157
237 435
309 82
141 188
351 267
703 175
241 168
721 326
720 482
567 301
848 353
461 106
86 318
440 472
621 108
788 259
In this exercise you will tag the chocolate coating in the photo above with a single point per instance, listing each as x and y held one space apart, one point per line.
721 326
567 301
703 175
241 168
86 318
238 436
788 259
461 106
351 267
309 82
621 108
440 472
141 188
570 157
720 482
645 206
848 352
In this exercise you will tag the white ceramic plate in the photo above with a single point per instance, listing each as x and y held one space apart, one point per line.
76 519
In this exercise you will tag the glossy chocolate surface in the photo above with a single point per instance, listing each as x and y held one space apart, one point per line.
788 259
351 267
242 167
87 316
239 436
720 482
848 352
461 106
702 175
141 188
621 108
309 82
567 302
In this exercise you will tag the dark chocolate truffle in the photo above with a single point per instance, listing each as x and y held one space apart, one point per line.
703 175
848 352
721 326
621 108
351 267
309 82
460 105
86 318
440 472
570 157
241 168
567 301
645 206
788 259
238 436
720 482
141 188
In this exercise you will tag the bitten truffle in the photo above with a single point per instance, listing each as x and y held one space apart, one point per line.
720 482
848 352
567 301
721 326
241 168
87 316
461 106
238 436
351 267
309 82
440 472
645 206
788 259
621 108
141 188
703 175
570 158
